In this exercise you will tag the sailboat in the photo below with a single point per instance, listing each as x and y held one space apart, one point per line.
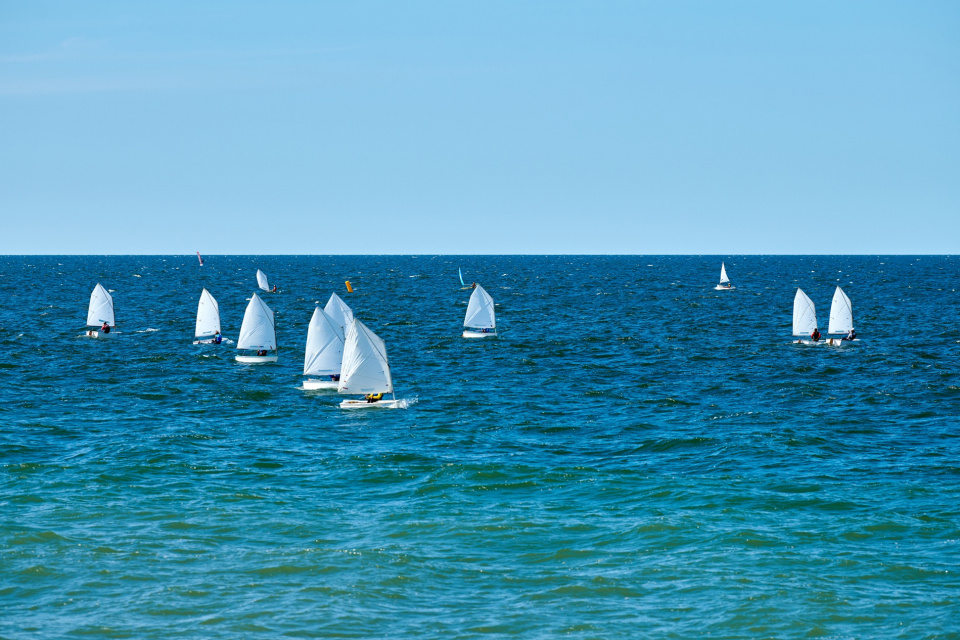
463 285
804 317
366 369
339 312
100 311
841 319
481 320
200 258
262 281
208 319
257 333
324 353
724 280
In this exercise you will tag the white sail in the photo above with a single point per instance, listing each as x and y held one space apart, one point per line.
101 308
339 312
257 330
723 274
208 316
841 313
324 346
804 314
262 280
480 313
365 365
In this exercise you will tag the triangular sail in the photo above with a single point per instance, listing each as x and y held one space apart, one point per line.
257 330
324 353
723 274
101 308
365 365
841 313
804 314
200 258
462 283
262 280
339 312
208 316
480 313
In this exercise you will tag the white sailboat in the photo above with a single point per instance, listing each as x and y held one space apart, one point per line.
208 319
481 319
324 353
366 369
724 280
262 281
804 317
339 312
257 333
841 319
99 312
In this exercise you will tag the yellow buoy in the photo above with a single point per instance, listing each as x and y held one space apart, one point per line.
349 288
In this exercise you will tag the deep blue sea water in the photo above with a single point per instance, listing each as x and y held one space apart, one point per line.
638 455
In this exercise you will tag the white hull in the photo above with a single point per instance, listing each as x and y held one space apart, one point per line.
98 334
363 404
313 385
839 342
479 334
722 288
256 359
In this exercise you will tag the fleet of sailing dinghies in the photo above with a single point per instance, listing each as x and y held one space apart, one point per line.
724 280
339 312
365 369
324 353
804 316
99 312
262 281
481 320
841 318
208 319
257 333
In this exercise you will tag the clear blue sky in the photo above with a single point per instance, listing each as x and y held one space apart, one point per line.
480 127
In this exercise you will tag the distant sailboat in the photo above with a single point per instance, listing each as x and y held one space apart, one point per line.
841 319
262 281
199 258
99 312
324 352
804 317
460 271
366 369
481 319
724 280
208 319
257 333
339 312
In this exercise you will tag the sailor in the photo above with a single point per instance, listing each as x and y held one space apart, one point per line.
335 377
262 352
217 338
105 328
852 334
373 397
815 336
274 288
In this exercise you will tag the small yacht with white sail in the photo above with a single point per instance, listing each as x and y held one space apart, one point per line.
258 334
841 320
208 319
724 280
324 353
100 313
366 370
481 319
262 281
804 318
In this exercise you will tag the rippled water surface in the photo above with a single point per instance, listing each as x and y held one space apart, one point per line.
638 456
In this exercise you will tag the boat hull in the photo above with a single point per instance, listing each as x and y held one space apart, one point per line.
839 342
314 385
810 342
363 404
722 288
256 359
98 334
479 334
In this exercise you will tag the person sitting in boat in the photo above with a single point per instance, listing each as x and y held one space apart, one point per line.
374 397
262 352
217 338
105 328
274 288
335 377
852 334
815 336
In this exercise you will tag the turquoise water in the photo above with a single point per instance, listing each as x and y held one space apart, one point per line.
638 456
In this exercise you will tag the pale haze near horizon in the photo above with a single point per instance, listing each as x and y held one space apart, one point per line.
480 128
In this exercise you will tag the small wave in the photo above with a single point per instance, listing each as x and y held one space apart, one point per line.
406 403
148 330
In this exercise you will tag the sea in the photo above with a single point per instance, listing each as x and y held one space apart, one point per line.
636 455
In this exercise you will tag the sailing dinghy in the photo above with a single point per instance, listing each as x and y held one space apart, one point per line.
366 370
339 312
804 317
324 353
208 319
200 258
257 333
481 320
262 281
841 319
99 312
724 280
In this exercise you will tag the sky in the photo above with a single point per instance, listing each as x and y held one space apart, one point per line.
490 127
